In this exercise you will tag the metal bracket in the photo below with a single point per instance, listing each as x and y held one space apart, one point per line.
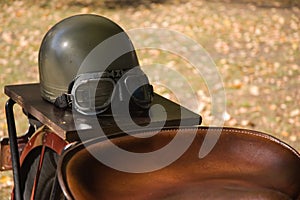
15 157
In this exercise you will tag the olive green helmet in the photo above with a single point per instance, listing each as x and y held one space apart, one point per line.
69 58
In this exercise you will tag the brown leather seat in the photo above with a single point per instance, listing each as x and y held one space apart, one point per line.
243 164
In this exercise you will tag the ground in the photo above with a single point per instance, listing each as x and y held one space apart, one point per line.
254 44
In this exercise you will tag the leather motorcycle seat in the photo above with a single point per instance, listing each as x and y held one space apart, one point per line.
243 164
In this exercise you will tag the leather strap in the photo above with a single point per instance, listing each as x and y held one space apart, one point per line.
64 101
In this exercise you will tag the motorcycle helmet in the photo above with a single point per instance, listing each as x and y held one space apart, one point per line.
86 61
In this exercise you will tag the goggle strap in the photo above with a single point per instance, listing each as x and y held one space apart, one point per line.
63 101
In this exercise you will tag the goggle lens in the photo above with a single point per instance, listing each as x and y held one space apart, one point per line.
140 89
103 93
93 96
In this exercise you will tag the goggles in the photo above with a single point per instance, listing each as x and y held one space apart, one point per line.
92 93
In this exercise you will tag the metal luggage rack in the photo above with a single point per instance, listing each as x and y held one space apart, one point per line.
61 122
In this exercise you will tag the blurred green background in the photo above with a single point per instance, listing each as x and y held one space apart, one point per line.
254 43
